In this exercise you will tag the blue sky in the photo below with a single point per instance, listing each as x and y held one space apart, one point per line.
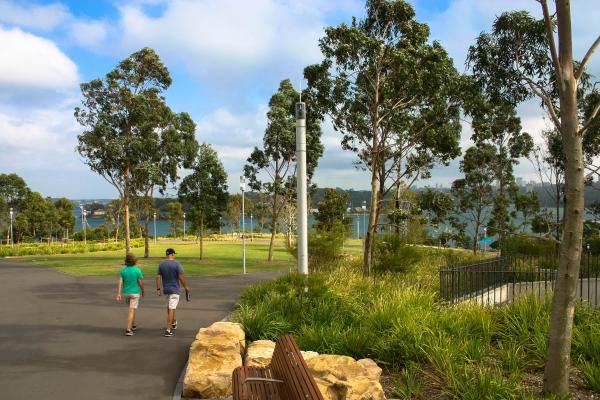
226 58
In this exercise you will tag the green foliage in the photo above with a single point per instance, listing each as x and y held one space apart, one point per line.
205 190
393 254
35 249
462 352
529 246
332 210
175 218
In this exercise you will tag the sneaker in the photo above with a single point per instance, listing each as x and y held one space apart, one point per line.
174 326
133 328
168 333
129 332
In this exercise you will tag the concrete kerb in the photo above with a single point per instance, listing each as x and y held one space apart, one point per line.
179 386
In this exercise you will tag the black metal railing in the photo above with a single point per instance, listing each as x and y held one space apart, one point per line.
502 280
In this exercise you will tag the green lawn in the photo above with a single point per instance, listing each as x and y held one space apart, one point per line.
220 258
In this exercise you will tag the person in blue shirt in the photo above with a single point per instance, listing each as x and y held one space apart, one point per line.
130 287
170 272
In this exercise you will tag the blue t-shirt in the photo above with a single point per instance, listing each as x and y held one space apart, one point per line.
169 271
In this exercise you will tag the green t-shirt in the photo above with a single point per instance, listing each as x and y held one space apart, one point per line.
130 275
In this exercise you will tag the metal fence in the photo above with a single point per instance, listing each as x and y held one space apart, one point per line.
501 280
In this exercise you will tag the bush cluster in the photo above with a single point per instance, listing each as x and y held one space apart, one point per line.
463 352
35 249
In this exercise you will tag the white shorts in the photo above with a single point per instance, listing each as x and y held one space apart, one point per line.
133 299
172 301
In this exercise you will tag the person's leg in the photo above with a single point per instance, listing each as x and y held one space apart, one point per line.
170 314
130 318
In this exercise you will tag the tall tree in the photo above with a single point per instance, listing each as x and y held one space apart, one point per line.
520 59
123 115
332 212
474 193
393 96
13 192
65 217
271 169
175 218
234 209
205 191
496 123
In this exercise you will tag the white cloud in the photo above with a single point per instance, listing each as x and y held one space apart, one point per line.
228 41
88 33
34 16
31 61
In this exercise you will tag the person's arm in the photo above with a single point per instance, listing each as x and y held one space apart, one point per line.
141 281
182 280
119 288
158 285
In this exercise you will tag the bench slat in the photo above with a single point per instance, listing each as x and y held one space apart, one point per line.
287 365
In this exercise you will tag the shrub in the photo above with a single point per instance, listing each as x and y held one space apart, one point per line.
393 254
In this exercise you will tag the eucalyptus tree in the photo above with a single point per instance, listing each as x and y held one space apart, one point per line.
234 209
126 122
175 217
205 191
271 169
64 216
173 146
524 58
495 123
474 193
393 96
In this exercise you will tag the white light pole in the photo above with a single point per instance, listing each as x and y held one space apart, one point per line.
154 228
251 228
364 210
12 239
485 239
184 226
83 225
302 207
243 188
220 225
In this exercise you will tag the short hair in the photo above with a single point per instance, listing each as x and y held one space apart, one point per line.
130 259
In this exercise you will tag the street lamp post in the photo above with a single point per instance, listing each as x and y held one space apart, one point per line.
243 188
184 226
485 239
251 228
364 210
154 228
83 225
12 239
220 225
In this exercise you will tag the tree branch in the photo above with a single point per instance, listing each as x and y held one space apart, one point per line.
541 93
586 59
593 115
550 33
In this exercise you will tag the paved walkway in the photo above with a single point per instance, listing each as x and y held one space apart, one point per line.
61 337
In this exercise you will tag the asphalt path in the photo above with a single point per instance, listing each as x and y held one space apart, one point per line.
62 337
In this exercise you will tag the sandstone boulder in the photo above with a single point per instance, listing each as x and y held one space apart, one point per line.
307 355
213 356
343 378
372 368
259 353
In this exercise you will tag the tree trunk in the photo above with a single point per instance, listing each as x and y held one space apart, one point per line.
477 226
147 236
556 375
201 241
126 206
273 227
372 228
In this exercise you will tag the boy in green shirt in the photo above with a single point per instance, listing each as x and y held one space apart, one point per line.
130 287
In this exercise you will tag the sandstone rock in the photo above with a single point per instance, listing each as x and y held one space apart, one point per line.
213 356
259 353
307 355
343 378
371 367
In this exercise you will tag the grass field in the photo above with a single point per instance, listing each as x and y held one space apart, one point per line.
220 258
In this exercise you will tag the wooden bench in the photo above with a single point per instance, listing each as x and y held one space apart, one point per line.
286 378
